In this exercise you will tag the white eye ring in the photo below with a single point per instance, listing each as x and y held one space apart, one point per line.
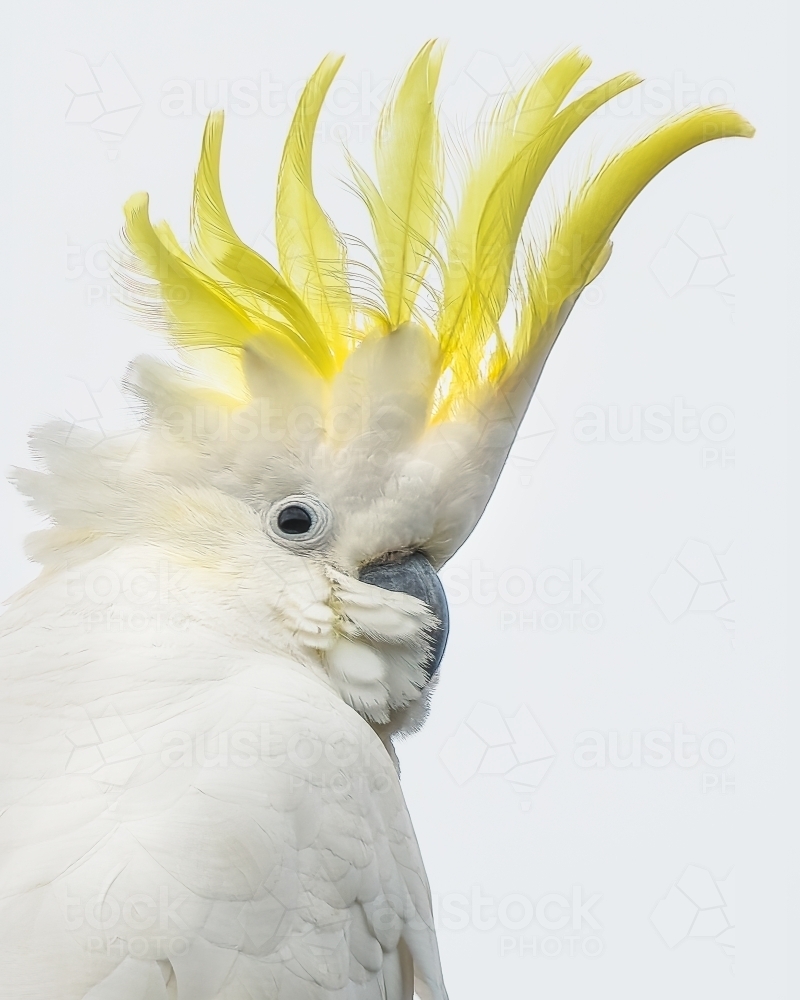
299 521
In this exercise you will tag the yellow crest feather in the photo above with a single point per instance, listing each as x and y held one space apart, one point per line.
515 123
218 249
472 315
311 251
404 206
223 295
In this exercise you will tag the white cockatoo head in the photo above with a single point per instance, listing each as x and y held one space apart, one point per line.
330 440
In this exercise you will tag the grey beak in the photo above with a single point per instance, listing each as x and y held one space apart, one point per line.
413 574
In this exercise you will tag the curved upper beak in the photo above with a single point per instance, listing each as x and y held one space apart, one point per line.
413 574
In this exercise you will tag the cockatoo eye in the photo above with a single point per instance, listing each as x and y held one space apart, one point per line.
295 520
299 520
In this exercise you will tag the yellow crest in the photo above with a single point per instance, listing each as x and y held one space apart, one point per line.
221 294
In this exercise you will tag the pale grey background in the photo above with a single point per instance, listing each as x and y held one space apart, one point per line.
663 323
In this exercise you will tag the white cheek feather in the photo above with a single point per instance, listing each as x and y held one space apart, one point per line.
378 661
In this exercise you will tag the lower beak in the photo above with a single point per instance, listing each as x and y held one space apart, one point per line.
413 574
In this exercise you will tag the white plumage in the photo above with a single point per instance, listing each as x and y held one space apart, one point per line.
190 811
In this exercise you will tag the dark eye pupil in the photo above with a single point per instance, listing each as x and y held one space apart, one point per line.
294 520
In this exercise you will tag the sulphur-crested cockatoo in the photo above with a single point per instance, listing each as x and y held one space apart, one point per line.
239 606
